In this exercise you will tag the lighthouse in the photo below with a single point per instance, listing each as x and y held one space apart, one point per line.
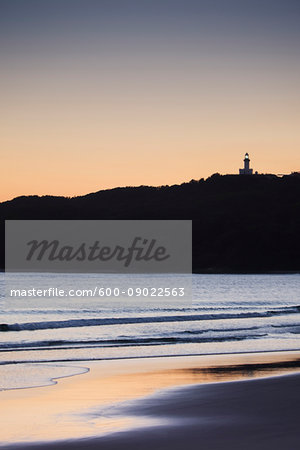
246 170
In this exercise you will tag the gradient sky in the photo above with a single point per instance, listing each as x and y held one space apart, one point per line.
104 93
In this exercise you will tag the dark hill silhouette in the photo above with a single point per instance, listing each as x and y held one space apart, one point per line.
240 223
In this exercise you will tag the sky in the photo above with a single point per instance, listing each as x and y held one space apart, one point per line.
97 94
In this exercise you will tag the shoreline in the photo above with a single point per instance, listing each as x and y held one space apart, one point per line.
209 271
69 362
94 405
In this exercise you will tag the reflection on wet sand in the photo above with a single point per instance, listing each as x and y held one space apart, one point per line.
244 371
71 409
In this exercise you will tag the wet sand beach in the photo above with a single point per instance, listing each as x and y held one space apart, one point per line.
209 402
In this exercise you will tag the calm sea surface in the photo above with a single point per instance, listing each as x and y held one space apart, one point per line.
225 314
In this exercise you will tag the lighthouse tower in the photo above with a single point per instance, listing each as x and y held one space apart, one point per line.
246 170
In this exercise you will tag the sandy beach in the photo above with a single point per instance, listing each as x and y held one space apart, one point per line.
208 402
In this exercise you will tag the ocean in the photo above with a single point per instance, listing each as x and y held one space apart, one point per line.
43 339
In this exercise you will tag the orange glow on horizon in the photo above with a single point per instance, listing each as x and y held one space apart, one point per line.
97 97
